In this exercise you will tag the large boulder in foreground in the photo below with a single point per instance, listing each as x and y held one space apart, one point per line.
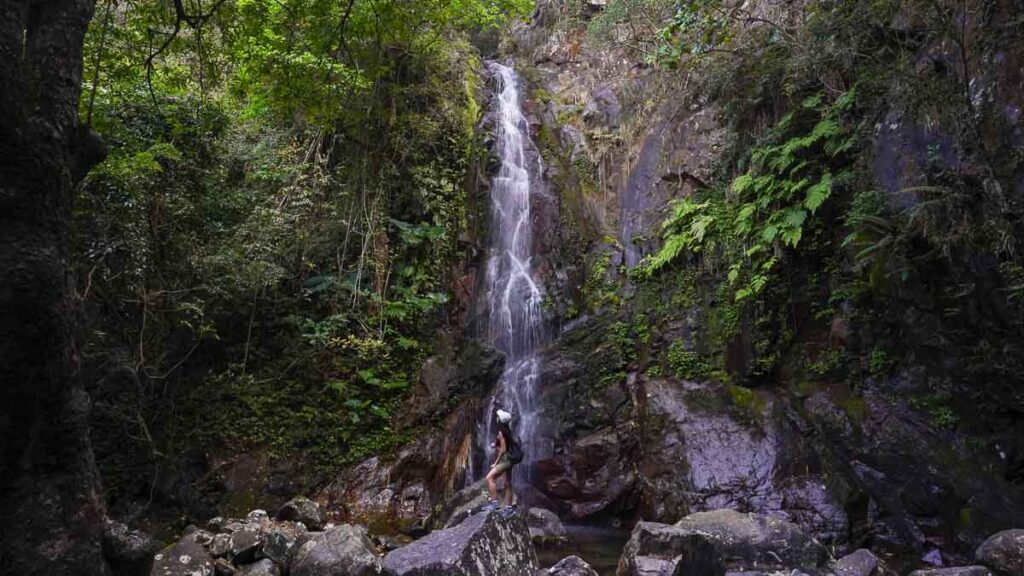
1003 552
484 544
343 550
755 541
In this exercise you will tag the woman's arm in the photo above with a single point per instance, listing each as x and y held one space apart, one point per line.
501 448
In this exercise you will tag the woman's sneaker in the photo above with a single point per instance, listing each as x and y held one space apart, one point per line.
490 506
509 511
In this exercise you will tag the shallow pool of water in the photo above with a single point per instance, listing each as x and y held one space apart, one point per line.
600 547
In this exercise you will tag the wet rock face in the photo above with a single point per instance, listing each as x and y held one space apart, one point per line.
402 491
483 544
755 540
1003 552
339 551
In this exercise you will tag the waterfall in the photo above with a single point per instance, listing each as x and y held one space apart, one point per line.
513 294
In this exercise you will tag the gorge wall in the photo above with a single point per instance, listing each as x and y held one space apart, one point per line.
874 408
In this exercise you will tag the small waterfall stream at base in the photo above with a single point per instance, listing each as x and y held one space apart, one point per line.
513 293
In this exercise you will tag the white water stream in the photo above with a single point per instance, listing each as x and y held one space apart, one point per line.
513 294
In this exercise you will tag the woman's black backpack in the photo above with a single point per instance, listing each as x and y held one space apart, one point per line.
515 451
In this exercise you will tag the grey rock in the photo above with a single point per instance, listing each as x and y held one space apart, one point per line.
302 509
184 558
128 552
343 550
261 568
484 544
461 504
244 544
862 563
1003 552
257 516
571 566
656 549
221 545
545 521
278 543
217 524
755 539
953 571
223 567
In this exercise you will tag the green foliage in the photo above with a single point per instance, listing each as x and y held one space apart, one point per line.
878 361
269 244
746 401
827 362
686 364
938 410
633 24
790 174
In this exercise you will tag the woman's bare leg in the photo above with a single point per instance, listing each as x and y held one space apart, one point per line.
508 488
492 486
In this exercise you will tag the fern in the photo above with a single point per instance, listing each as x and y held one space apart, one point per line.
790 176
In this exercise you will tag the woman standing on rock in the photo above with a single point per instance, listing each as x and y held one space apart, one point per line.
509 454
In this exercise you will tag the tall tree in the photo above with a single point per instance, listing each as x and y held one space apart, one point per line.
50 495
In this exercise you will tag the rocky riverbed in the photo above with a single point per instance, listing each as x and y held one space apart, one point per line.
723 542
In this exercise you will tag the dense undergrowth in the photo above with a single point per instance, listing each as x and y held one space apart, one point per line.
268 249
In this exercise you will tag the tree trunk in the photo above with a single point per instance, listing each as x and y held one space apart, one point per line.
50 495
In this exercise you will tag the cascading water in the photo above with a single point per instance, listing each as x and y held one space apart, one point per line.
514 296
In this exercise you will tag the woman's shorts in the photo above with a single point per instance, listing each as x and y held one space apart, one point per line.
503 465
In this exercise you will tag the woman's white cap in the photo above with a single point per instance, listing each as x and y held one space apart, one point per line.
504 417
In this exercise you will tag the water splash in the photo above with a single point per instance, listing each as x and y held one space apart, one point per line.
513 294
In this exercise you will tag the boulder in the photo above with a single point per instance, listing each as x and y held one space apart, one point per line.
184 558
1003 552
571 566
278 542
954 571
343 550
221 545
544 524
485 543
460 505
755 540
244 544
302 509
654 549
257 517
862 563
128 552
223 567
262 568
